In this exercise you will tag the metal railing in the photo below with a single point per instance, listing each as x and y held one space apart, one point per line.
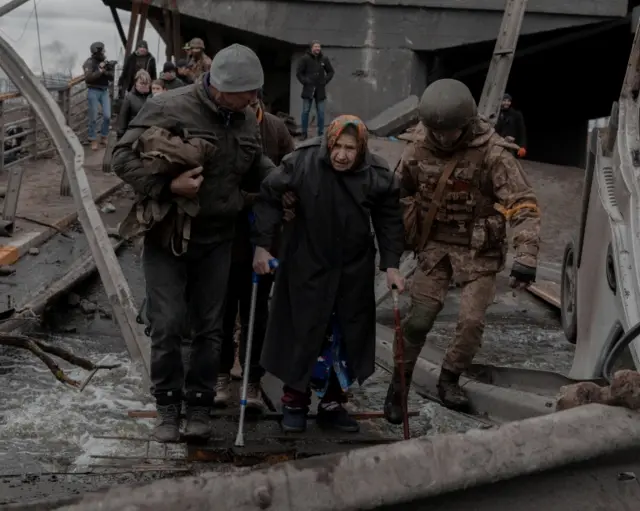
23 137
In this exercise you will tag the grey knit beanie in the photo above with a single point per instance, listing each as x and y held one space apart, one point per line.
236 68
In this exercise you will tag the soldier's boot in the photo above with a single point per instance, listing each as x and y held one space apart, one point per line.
393 404
255 403
167 428
450 392
223 391
198 418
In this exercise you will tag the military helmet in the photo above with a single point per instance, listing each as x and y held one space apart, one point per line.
196 43
96 47
447 105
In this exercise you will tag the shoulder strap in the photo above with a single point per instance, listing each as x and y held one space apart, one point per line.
435 203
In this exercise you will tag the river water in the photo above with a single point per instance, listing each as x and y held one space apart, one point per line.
47 427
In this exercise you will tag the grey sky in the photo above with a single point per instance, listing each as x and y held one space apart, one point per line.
73 23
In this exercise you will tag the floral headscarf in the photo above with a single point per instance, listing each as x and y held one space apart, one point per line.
339 124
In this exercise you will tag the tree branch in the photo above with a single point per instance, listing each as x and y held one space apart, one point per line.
43 350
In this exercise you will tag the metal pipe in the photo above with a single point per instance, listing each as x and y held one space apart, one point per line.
10 6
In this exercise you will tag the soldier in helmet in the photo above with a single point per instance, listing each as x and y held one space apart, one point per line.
186 291
460 187
199 62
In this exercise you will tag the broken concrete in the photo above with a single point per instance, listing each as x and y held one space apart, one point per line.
396 119
394 474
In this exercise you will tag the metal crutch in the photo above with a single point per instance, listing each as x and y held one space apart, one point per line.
273 264
400 361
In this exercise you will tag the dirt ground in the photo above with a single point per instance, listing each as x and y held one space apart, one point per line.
559 191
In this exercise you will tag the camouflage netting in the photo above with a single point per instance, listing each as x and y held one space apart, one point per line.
624 391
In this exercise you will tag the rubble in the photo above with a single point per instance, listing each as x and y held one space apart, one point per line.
395 119
624 391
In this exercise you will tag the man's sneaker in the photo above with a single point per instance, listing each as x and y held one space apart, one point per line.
294 420
198 423
167 428
255 402
335 416
223 391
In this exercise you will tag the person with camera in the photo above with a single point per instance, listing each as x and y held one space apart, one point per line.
98 72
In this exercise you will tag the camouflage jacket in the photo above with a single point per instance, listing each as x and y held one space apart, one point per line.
197 67
487 189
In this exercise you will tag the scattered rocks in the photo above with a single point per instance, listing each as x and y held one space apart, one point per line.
5 270
108 208
624 391
105 314
88 307
73 299
34 251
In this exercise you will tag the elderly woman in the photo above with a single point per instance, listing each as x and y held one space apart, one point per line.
134 100
321 331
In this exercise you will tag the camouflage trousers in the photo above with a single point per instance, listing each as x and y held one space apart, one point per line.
428 293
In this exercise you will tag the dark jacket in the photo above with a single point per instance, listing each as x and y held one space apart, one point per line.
93 77
328 263
190 109
186 79
131 105
132 64
173 84
511 124
314 73
276 144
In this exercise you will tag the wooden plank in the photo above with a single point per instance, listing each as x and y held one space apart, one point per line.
548 291
72 155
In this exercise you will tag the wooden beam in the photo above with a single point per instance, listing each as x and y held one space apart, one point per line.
135 9
144 12
118 22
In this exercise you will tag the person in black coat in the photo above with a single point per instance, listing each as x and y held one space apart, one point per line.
133 101
511 127
322 326
314 73
171 81
139 59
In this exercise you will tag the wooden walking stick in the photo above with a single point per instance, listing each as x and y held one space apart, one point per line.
399 360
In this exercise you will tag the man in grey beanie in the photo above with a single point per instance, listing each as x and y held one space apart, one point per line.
193 285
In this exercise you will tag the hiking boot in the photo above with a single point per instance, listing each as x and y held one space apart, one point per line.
450 392
94 145
335 416
223 391
167 428
294 420
255 402
198 423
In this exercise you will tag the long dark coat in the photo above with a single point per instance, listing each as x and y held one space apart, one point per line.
328 261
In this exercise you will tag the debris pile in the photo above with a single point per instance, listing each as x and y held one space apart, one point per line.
624 391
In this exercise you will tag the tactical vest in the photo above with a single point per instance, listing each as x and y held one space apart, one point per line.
466 215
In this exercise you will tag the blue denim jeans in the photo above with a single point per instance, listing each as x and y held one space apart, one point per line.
306 109
98 97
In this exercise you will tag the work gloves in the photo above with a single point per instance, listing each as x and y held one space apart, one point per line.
522 275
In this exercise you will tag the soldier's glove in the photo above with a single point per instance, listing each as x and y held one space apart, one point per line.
522 275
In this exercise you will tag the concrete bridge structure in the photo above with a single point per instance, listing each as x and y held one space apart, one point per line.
568 69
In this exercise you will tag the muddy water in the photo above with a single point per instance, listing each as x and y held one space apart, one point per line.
47 427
